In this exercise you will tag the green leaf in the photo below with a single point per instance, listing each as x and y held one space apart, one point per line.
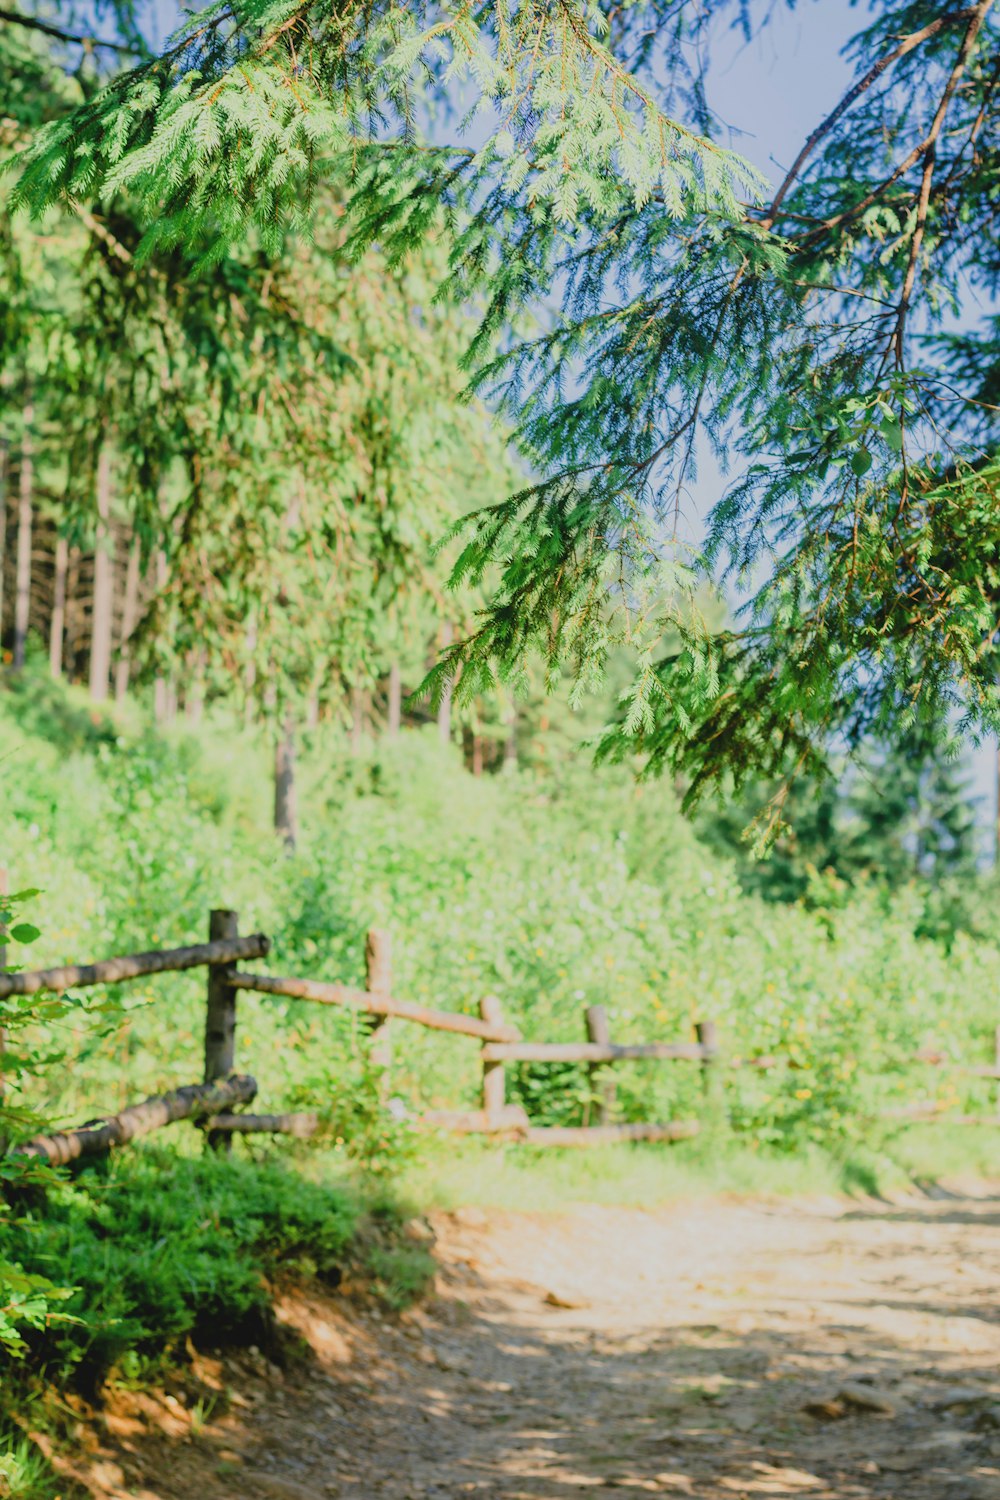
25 932
893 434
861 462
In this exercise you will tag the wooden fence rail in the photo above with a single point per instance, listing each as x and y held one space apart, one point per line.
134 965
372 1005
192 1102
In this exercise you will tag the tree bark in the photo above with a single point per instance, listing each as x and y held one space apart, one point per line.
510 743
193 1101
194 697
4 480
161 690
285 808
130 616
22 597
444 706
57 625
357 718
395 714
100 637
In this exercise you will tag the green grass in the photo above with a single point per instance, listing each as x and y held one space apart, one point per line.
446 1176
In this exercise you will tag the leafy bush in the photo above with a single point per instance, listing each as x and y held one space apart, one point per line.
158 1247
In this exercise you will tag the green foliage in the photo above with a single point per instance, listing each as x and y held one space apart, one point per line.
158 1247
553 888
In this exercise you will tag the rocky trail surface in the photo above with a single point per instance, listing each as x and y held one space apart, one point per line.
709 1349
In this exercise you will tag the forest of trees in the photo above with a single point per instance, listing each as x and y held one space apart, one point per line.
357 361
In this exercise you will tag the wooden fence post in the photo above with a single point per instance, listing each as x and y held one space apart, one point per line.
378 981
713 1081
602 1083
494 1082
220 1016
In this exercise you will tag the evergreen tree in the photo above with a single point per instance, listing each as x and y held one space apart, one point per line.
804 332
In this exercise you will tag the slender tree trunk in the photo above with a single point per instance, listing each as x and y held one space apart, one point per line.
395 716
357 718
285 808
101 621
510 743
250 671
161 688
444 707
130 616
194 696
4 481
477 755
74 613
57 625
22 596
312 711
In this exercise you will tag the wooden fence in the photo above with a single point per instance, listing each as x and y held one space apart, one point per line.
216 1102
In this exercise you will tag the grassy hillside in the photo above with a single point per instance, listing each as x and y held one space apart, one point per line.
554 891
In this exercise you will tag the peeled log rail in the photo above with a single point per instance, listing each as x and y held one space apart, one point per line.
301 1126
606 1135
373 1005
133 965
191 1102
594 1052
512 1119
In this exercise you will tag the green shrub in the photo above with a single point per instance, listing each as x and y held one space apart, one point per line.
158 1247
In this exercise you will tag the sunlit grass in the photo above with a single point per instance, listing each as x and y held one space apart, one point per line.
447 1175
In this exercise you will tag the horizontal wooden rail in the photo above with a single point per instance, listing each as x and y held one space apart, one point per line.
510 1119
931 1112
606 1135
372 1005
300 1125
133 965
595 1052
193 1101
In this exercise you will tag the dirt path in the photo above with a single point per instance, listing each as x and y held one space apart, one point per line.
712 1350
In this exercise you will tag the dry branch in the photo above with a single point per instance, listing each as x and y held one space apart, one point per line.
193 1101
373 1005
132 965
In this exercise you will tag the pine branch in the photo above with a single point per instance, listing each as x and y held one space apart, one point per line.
85 40
915 39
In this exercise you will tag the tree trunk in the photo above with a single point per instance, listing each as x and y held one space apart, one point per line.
395 716
357 718
250 671
130 616
161 688
285 810
4 480
510 743
22 597
57 625
477 755
194 695
100 637
444 706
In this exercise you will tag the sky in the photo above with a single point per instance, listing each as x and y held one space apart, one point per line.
771 92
